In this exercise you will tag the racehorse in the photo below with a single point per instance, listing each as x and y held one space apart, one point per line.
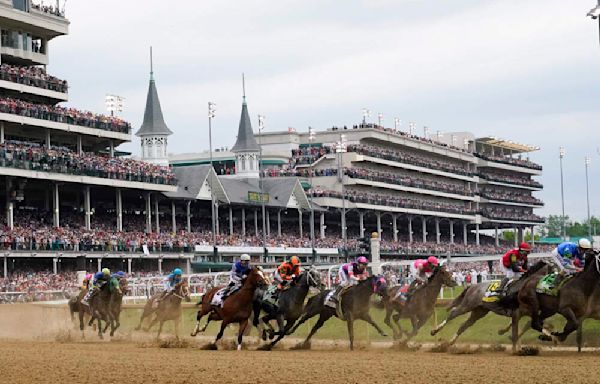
571 302
421 305
169 308
114 306
236 308
354 306
289 306
471 301
99 307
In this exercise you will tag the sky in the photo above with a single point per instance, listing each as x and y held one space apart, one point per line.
522 70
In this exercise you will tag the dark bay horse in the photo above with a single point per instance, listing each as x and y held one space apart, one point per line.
236 308
289 306
571 302
169 308
354 306
99 307
421 305
114 306
471 301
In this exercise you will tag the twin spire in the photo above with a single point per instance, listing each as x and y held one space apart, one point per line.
245 139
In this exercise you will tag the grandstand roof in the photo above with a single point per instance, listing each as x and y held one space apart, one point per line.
507 144
284 192
194 182
245 138
154 123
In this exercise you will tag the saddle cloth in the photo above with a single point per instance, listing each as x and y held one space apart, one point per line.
402 294
492 294
271 295
217 299
547 284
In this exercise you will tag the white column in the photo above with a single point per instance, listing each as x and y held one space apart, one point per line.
279 222
9 203
424 228
148 213
160 266
188 266
268 222
173 218
410 231
465 234
322 225
99 262
300 222
48 138
256 222
477 234
516 237
533 235
55 265
56 206
5 267
437 230
243 221
2 132
230 221
112 149
379 231
188 215
375 256
451 232
395 226
361 222
156 218
497 239
218 228
87 207
119 207
129 266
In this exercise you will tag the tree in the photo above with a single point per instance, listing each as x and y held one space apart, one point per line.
554 225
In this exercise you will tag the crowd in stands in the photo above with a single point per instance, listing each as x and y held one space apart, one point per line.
394 201
32 76
16 154
48 9
63 115
510 178
28 286
498 213
509 160
512 196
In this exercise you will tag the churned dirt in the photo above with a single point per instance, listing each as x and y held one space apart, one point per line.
36 347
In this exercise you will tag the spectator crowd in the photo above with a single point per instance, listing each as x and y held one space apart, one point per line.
32 76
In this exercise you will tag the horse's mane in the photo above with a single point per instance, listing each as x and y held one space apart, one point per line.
535 268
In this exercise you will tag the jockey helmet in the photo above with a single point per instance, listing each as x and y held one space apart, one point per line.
177 272
120 274
362 260
295 261
525 247
584 244
106 271
88 277
245 257
433 261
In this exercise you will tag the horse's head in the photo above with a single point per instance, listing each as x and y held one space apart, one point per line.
256 278
124 285
592 257
442 273
183 290
379 285
311 277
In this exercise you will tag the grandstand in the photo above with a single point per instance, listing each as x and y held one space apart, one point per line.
75 202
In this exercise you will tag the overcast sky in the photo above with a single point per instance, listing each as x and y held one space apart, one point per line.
522 70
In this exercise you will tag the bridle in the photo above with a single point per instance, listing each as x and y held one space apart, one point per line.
310 279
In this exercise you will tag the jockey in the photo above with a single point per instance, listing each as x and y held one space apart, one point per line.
513 264
352 273
570 257
172 280
86 281
239 272
420 271
97 282
287 271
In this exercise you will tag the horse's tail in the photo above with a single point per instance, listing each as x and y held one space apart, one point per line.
456 302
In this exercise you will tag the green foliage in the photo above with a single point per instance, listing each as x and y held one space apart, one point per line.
553 226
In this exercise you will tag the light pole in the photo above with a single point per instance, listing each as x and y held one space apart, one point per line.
366 113
380 119
114 104
426 132
411 127
397 123
594 13
311 139
562 193
587 192
340 149
261 126
211 115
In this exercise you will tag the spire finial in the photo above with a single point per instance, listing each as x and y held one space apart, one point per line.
244 87
151 65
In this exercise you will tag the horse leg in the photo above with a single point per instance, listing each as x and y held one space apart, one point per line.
154 321
144 314
503 331
322 319
476 314
572 324
267 327
197 327
580 336
302 320
160 325
388 315
243 325
454 313
367 317
221 331
99 328
176 323
515 329
350 324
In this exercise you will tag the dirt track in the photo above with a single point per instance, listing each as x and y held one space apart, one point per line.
38 357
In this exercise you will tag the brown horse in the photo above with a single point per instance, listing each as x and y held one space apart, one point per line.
237 308
421 305
169 308
571 302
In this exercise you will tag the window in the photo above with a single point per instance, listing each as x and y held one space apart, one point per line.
21 5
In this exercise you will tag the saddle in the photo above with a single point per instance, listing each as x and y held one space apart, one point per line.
271 295
493 293
547 284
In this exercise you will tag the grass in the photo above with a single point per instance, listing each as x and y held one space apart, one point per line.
484 331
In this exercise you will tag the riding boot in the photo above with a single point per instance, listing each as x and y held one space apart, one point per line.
559 278
412 288
501 289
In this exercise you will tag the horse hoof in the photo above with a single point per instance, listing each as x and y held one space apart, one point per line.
266 347
384 334
264 335
545 338
193 334
271 336
210 347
